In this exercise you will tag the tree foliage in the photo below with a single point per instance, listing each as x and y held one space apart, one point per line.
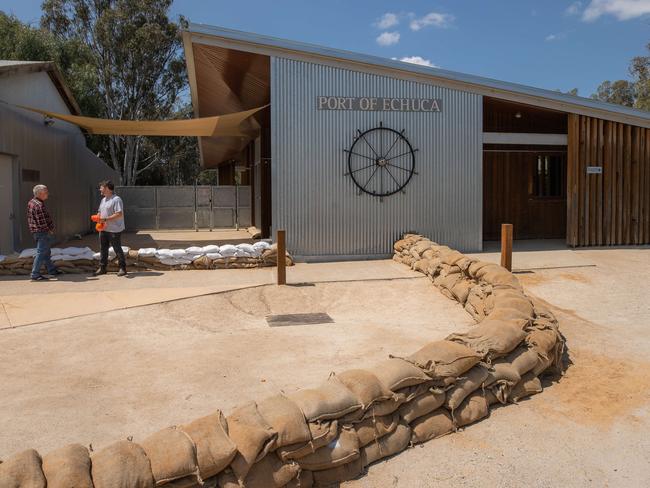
631 93
138 68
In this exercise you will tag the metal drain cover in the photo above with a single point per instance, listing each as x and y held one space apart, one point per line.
298 319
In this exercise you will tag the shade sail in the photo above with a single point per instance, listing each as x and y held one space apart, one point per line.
217 126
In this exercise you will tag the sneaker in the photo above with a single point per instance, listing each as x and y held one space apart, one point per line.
121 272
41 278
100 271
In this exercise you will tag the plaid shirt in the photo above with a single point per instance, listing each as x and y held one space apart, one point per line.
38 218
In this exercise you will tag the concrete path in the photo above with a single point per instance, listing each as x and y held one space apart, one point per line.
25 302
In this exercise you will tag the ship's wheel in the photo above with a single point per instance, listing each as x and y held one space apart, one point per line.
381 161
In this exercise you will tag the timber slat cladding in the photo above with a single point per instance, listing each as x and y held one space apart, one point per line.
613 207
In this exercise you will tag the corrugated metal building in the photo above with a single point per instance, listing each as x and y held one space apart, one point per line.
355 150
32 152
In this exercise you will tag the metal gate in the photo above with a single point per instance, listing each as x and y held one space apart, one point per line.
186 207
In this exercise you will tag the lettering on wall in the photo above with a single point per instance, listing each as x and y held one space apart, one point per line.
379 104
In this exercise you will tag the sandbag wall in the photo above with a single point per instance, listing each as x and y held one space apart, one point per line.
329 434
73 260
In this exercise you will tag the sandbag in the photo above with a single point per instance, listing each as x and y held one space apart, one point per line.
172 455
331 400
23 470
421 405
67 467
385 407
202 262
252 435
470 382
365 386
411 392
322 433
122 464
492 338
543 340
498 276
333 476
460 290
523 360
214 449
421 265
286 419
305 479
529 385
396 373
473 408
431 426
372 429
390 444
270 472
444 359
341 451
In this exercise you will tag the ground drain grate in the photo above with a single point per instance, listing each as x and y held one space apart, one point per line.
298 319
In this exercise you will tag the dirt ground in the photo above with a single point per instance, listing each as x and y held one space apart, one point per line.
103 377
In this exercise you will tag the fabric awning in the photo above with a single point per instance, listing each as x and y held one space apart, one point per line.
217 126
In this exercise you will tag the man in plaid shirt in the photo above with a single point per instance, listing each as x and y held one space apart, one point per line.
42 229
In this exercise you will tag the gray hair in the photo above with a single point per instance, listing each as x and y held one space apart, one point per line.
39 188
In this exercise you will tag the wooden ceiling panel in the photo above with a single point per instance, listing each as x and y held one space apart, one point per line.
230 81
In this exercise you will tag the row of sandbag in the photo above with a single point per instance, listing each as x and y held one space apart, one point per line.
510 323
312 437
331 433
208 257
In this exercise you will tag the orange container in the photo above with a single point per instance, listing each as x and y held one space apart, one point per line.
99 226
94 218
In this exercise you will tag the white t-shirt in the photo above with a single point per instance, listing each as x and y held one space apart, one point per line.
109 206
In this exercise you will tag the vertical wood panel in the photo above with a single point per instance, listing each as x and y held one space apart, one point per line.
613 207
641 185
607 191
619 182
598 180
627 175
634 187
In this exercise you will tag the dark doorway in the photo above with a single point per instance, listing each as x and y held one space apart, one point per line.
526 188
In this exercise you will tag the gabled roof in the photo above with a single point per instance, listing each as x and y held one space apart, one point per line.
11 67
244 41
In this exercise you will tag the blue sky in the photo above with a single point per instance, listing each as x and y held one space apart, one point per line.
549 44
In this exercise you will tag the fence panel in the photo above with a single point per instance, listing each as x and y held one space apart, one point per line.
173 207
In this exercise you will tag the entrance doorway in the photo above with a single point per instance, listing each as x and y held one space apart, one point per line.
6 204
526 188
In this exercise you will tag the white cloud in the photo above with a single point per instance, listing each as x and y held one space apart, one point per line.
387 21
551 37
417 60
621 9
432 18
388 38
574 8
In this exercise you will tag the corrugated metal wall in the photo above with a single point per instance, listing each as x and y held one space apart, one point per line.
320 207
69 169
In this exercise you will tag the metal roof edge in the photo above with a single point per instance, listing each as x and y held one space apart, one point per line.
18 67
454 76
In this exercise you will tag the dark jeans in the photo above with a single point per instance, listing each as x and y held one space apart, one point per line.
107 239
43 254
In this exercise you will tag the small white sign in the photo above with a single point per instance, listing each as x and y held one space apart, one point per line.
594 170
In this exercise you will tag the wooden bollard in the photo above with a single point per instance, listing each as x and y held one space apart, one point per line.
280 239
506 246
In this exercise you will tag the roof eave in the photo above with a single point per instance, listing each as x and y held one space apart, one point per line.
483 85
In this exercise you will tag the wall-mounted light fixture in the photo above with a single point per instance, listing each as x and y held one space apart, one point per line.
518 115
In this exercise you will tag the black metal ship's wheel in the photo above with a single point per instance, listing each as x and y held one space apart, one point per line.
381 161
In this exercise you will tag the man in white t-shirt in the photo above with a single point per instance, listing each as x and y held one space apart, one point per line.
111 214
